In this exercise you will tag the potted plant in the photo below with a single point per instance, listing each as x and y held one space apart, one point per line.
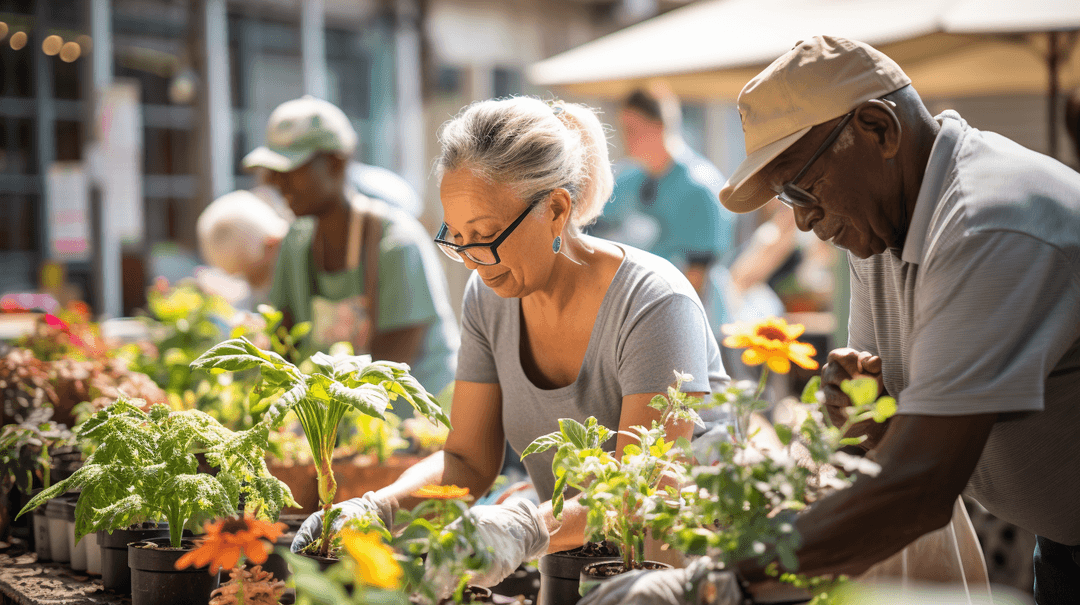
620 492
26 461
371 572
226 544
144 469
320 399
746 489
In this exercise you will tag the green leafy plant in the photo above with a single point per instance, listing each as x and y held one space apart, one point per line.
320 398
372 436
742 505
26 451
439 548
621 492
144 468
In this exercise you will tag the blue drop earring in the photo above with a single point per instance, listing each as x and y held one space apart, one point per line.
557 244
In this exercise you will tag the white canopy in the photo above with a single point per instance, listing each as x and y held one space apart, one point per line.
710 49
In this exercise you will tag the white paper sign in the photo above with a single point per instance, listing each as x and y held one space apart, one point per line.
68 212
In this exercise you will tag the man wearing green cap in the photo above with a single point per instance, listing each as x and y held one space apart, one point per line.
360 270
964 254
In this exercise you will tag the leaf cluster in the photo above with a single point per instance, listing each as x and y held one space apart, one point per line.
26 451
743 505
321 397
623 494
145 467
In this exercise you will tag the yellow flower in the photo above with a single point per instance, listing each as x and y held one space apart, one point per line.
375 563
771 341
441 492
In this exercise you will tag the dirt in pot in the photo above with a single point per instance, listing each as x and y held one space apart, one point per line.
595 549
614 568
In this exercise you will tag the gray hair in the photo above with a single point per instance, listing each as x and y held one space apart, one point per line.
534 148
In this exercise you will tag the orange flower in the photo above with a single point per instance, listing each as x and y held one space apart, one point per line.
442 492
375 562
227 539
771 341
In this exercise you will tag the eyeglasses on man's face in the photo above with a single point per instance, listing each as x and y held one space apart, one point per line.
482 254
794 196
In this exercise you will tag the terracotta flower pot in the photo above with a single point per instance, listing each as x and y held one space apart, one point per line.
358 475
595 574
302 481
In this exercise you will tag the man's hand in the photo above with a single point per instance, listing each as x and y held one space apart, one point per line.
847 364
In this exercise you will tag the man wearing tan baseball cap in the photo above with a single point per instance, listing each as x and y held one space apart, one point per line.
964 254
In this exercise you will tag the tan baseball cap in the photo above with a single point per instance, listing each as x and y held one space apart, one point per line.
820 79
300 128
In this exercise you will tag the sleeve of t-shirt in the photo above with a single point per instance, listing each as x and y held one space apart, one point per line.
993 315
668 335
476 357
405 296
861 335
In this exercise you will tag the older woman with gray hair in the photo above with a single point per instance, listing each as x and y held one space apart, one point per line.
556 324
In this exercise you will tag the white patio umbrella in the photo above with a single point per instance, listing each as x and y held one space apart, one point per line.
710 49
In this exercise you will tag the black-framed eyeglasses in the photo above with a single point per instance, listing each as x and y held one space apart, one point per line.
794 196
482 254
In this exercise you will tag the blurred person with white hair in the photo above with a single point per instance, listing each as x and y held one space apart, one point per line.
361 270
240 234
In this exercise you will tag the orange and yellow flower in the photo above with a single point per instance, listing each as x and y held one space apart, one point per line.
442 492
227 540
375 562
771 341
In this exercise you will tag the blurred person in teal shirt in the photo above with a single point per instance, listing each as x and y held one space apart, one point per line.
666 198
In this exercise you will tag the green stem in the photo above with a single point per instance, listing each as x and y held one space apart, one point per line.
761 383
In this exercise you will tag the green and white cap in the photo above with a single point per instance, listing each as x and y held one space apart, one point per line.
299 129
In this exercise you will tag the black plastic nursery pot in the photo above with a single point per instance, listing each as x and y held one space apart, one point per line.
156 581
595 574
560 575
115 573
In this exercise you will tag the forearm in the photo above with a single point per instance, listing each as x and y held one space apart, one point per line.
440 468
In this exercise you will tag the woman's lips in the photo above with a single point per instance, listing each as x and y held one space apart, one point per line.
494 281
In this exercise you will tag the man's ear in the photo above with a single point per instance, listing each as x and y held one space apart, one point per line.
877 119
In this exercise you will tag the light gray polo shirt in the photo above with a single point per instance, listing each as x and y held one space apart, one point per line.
981 314
650 324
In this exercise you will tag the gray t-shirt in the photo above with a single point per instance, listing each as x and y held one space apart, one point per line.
981 314
650 324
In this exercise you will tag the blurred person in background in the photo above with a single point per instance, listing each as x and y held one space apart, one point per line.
359 269
240 234
556 323
665 198
385 185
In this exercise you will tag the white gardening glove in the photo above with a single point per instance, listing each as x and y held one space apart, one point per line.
669 587
514 533
356 507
